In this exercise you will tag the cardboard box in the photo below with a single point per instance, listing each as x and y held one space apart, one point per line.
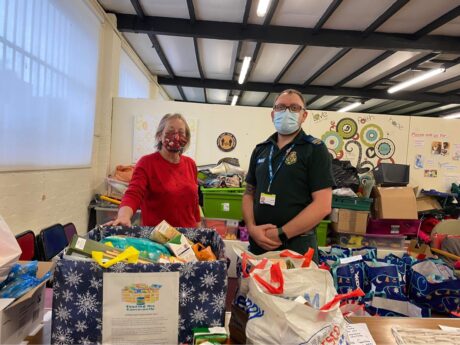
20 317
394 203
344 220
427 203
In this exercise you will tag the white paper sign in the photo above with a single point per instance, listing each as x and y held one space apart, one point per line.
359 334
140 308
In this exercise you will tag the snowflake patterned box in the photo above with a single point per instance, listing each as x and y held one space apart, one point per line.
20 317
77 290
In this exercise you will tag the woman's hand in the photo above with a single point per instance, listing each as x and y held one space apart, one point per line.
124 216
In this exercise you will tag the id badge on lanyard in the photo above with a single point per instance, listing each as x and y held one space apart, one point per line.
270 198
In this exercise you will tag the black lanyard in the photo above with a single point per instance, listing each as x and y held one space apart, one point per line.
270 168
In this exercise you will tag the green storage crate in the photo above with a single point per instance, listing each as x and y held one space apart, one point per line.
321 233
223 202
351 203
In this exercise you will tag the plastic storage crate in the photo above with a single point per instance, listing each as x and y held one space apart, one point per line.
361 240
351 203
321 233
223 202
393 226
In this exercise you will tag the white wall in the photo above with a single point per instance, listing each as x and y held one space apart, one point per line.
250 125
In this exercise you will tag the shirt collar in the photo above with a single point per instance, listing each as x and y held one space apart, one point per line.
298 139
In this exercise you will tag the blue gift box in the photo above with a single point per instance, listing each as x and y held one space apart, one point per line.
77 289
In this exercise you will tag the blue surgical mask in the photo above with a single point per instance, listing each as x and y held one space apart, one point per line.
286 122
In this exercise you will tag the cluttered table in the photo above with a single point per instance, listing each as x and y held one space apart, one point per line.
380 327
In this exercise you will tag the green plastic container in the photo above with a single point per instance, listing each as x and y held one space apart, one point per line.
321 233
351 203
223 202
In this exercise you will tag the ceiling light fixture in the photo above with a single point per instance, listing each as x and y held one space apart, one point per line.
262 8
349 107
452 116
244 69
416 80
234 100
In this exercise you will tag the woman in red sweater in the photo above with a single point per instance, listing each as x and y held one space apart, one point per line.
164 183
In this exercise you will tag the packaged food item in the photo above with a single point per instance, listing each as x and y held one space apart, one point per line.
212 335
180 247
203 253
147 249
164 232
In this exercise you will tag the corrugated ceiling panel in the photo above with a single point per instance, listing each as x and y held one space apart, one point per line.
322 102
194 94
272 58
300 13
252 98
440 108
220 10
180 53
389 106
217 58
447 88
270 100
413 109
385 67
452 28
349 63
311 59
165 8
369 104
121 6
172 92
356 14
449 73
416 14
217 96
143 47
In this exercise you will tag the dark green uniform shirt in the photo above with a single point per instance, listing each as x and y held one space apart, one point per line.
305 168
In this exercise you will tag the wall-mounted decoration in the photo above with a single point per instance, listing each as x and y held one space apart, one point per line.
431 173
226 142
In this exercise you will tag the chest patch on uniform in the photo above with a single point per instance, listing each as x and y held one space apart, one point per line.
291 158
260 160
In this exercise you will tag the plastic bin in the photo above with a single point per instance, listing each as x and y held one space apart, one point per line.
393 226
106 214
361 240
321 232
391 175
351 203
223 202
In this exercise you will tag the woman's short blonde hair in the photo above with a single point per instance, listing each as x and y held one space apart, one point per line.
162 126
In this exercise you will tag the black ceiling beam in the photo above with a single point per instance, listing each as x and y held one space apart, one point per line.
333 103
327 65
138 8
315 90
285 34
366 67
395 7
314 99
191 11
445 18
428 108
326 15
401 70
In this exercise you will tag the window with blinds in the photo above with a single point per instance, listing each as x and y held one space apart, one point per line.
48 76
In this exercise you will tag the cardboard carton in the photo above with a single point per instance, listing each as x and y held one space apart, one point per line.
427 203
395 203
349 221
20 317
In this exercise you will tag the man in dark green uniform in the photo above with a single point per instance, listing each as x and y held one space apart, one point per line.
289 183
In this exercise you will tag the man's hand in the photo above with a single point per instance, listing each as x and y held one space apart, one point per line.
272 234
259 234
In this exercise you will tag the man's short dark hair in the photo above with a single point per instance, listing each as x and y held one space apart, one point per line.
290 91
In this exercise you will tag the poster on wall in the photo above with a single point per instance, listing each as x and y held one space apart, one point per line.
364 139
145 127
